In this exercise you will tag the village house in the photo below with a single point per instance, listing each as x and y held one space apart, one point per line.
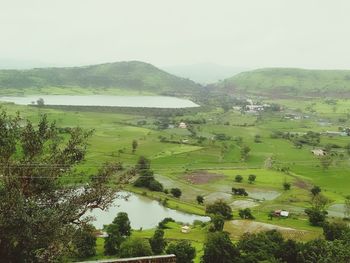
185 229
182 125
319 152
281 213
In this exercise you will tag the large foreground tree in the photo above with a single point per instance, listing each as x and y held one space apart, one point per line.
38 213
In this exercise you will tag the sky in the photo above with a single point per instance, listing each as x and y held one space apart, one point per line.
238 33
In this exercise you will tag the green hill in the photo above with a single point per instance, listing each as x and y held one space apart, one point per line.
130 76
279 82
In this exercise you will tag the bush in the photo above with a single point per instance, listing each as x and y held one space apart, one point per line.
135 247
162 224
156 186
238 178
176 192
219 207
239 191
183 251
246 214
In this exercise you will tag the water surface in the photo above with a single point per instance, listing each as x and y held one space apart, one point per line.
142 211
104 100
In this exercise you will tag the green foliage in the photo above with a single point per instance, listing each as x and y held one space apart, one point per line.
245 214
176 192
38 214
158 242
286 186
317 217
217 223
315 190
134 145
219 207
218 248
200 199
335 230
135 247
84 241
113 240
251 178
261 246
239 191
238 178
245 152
123 224
146 177
162 224
183 250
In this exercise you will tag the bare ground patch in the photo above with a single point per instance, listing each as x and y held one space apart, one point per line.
239 227
202 177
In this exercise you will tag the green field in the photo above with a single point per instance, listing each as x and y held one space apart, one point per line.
177 157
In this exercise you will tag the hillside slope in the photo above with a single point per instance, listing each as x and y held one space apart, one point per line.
290 82
133 76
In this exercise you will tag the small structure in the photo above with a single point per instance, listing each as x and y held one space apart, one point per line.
185 229
281 213
182 125
319 152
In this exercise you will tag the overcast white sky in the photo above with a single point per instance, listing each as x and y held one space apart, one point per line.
240 33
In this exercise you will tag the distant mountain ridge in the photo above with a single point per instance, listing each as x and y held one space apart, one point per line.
129 75
289 82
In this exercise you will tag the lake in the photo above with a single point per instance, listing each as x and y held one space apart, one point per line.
104 100
143 212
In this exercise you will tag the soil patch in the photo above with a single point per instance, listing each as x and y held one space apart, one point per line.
202 177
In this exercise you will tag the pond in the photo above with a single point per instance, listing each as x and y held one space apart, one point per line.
104 100
143 212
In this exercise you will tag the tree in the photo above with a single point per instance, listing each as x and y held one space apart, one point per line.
317 217
123 224
245 152
40 102
134 146
176 192
263 246
238 178
146 177
218 248
326 161
183 250
315 190
245 214
44 213
219 207
84 241
335 230
251 178
135 247
217 223
200 199
113 240
347 207
158 242
286 186
239 191
257 138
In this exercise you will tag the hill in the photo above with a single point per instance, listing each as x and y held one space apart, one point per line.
133 76
279 82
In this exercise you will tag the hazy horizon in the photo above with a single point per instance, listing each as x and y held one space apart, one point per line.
242 34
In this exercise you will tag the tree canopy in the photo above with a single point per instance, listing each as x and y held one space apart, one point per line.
38 214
